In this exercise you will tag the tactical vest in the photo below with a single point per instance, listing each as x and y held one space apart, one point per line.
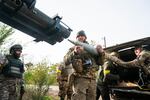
14 68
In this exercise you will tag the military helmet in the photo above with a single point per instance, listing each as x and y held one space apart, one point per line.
15 47
81 33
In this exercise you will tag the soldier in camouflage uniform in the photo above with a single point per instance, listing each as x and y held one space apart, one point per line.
62 79
142 62
11 74
83 81
108 75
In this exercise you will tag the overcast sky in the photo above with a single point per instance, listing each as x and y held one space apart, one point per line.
118 20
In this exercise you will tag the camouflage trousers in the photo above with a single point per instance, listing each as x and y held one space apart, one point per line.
63 90
8 88
84 89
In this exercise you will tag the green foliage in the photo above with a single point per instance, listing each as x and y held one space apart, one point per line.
28 77
38 78
5 31
46 98
40 74
52 72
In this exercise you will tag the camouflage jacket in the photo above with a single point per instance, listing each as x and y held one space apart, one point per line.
84 63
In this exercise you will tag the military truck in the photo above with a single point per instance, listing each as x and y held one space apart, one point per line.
129 87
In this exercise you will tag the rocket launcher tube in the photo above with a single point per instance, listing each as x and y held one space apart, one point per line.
87 47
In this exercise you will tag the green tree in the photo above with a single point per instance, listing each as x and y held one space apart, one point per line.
38 78
5 31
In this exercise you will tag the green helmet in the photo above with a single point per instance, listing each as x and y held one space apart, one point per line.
15 47
81 33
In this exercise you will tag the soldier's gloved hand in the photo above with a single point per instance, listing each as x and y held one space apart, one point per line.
78 49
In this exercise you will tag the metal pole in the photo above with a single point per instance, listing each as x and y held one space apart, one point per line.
104 42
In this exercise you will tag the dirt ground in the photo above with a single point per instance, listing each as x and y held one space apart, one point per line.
53 91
